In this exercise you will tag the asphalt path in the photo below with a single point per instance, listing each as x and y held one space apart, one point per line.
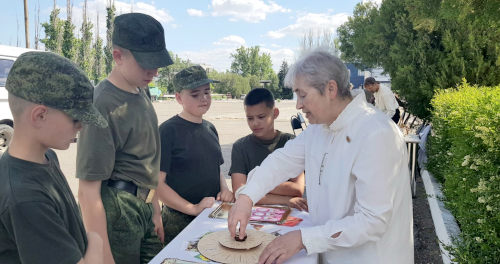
228 116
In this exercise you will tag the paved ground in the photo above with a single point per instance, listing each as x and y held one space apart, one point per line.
425 239
229 119
227 116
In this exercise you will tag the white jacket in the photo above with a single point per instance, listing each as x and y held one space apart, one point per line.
357 183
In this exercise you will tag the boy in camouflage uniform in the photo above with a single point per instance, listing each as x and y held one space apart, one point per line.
39 219
118 166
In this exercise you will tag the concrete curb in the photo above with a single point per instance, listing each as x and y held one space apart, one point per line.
445 224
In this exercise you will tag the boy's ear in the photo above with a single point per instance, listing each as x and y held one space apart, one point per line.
178 97
117 56
332 88
276 112
38 115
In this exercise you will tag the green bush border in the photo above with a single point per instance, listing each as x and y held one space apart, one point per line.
464 154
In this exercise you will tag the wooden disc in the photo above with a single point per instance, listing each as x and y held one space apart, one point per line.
254 239
210 246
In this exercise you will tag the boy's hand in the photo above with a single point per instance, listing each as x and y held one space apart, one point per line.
298 203
157 221
225 195
206 202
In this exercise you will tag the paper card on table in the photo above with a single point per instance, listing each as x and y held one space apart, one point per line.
264 214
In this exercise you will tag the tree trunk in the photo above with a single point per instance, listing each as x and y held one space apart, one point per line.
26 24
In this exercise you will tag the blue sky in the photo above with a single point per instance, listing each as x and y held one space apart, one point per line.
202 31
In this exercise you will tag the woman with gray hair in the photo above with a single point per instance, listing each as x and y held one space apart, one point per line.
357 178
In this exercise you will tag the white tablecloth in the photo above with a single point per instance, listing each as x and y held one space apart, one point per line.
177 248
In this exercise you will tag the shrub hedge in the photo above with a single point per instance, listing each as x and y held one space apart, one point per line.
464 154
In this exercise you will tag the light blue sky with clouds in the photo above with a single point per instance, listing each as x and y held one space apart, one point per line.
201 31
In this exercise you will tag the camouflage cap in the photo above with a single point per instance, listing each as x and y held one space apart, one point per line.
49 79
191 78
143 36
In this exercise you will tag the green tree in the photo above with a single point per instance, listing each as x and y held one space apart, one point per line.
166 74
357 35
53 31
286 92
232 83
69 40
425 46
250 63
97 52
108 50
84 49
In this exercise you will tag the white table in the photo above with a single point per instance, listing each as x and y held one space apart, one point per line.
203 224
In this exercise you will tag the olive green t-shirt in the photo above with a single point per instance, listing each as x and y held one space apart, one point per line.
39 219
129 148
249 151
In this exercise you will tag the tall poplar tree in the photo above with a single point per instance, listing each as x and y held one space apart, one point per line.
110 17
69 40
53 31
84 58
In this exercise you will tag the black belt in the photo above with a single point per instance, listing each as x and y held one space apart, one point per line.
130 187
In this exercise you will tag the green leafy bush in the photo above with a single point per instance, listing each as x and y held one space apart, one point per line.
464 154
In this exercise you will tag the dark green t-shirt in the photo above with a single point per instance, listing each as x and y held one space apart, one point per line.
249 151
39 219
191 156
128 149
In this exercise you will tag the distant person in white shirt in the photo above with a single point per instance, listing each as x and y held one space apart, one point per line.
358 189
384 99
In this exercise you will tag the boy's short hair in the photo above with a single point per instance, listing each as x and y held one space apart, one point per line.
259 95
191 78
143 36
49 79
370 80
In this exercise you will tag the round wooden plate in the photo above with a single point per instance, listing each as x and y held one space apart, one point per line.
246 252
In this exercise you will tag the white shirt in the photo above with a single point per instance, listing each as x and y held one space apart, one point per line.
356 92
386 101
357 183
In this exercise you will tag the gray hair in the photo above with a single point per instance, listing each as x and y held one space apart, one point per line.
318 68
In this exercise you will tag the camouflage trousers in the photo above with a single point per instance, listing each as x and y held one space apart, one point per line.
173 222
130 227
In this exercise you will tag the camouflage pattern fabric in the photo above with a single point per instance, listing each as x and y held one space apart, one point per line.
49 79
174 222
191 78
130 227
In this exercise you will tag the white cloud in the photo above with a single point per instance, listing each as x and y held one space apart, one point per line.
311 21
195 12
252 11
231 40
221 59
